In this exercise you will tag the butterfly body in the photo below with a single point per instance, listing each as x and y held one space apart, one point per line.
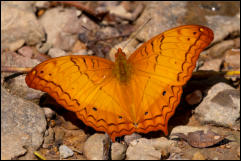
138 94
122 69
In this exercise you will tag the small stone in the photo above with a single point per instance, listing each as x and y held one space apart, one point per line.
78 13
194 97
119 10
49 113
65 151
118 151
56 52
90 52
93 147
26 51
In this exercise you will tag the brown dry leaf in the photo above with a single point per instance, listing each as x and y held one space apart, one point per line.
200 139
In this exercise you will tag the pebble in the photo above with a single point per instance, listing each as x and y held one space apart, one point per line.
118 151
49 113
194 97
65 151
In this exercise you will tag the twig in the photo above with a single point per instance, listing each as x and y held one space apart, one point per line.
85 9
137 32
40 156
15 69
113 37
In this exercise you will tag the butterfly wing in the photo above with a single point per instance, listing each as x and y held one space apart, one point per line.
86 86
161 66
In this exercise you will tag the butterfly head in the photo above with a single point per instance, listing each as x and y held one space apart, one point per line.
120 54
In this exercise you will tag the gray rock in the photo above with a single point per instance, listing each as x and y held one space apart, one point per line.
61 26
220 107
22 126
17 85
19 24
65 151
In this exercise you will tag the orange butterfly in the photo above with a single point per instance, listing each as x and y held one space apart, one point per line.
138 94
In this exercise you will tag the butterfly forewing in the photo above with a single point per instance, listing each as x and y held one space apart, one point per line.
161 67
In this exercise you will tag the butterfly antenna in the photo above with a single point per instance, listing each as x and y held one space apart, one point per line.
137 32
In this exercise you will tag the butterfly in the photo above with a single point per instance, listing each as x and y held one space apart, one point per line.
135 94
